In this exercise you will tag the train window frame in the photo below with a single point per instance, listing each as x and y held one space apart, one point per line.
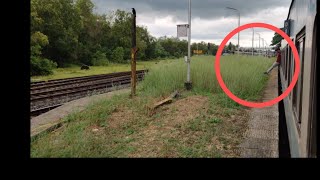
301 76
290 66
298 90
283 58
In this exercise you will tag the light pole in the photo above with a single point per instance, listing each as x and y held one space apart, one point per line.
262 45
265 46
238 26
252 41
259 41
188 84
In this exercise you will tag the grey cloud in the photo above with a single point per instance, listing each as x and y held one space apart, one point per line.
204 9
215 20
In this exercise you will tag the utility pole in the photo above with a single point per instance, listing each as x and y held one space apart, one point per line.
188 84
265 47
262 45
239 34
134 51
259 43
252 41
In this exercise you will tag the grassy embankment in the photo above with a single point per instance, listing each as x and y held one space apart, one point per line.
201 123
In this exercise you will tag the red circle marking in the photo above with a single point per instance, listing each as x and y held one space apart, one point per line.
253 104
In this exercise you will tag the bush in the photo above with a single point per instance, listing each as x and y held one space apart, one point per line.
99 59
177 55
118 54
41 66
214 52
100 62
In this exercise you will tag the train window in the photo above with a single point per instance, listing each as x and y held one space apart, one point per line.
301 54
285 63
297 91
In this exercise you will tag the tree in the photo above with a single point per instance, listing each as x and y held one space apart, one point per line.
276 38
67 32
99 59
121 32
200 46
231 47
90 31
213 49
59 21
160 52
37 41
39 65
151 49
118 54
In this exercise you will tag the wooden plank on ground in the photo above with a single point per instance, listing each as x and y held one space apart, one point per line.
165 101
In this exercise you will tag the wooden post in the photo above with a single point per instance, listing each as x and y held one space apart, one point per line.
134 51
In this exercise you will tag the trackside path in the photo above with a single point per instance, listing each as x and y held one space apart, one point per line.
261 137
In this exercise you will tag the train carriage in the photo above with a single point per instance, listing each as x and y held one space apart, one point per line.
300 106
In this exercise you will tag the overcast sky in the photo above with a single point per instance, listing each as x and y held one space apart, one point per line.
211 21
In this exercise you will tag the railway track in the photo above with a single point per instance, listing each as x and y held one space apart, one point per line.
58 82
47 95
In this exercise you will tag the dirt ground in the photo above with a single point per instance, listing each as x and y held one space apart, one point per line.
171 117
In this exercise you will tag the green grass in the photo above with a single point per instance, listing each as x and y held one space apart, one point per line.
209 134
243 76
74 71
76 138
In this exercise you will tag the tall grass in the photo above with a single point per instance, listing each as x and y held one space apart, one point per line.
243 75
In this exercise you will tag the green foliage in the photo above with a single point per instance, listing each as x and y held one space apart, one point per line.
118 54
204 47
59 21
276 38
173 47
231 47
40 66
160 51
39 38
199 46
69 32
37 41
99 59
